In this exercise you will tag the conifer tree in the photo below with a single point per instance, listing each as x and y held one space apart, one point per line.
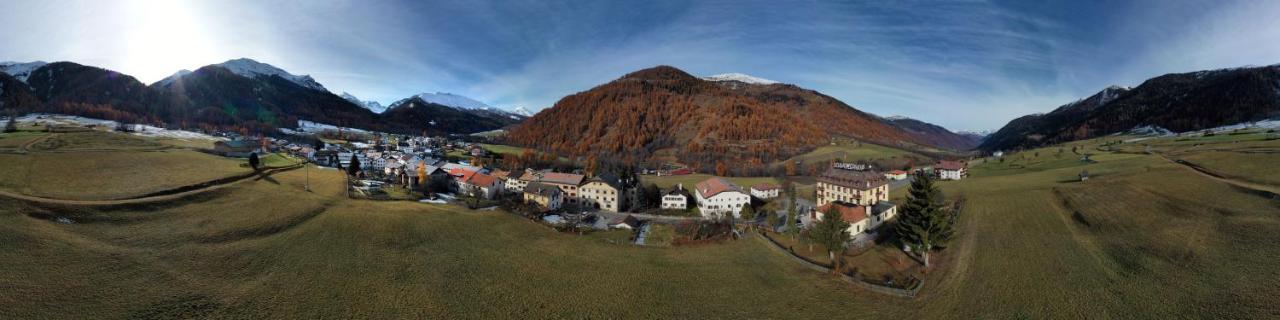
354 167
832 232
924 224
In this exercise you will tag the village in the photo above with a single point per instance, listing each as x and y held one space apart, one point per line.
567 196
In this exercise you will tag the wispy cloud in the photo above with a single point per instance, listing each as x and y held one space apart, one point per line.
962 64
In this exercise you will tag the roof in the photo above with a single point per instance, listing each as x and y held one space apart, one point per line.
626 219
539 188
850 213
950 165
677 191
500 174
607 178
895 172
880 207
861 180
714 186
481 179
462 174
765 186
561 178
529 175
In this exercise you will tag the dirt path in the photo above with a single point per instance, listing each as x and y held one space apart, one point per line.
156 196
1272 190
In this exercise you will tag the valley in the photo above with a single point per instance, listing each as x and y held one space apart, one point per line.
1144 237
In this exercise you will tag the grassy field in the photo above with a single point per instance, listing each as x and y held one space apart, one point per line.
109 175
851 152
1144 238
689 180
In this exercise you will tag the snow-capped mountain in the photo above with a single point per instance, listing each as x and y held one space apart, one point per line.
253 69
522 111
453 100
170 79
371 105
20 70
744 78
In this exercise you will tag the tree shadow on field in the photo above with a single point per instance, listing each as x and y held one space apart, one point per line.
267 177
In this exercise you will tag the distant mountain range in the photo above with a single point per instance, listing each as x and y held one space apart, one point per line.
1178 102
665 112
239 93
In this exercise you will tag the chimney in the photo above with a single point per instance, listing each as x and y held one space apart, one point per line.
680 185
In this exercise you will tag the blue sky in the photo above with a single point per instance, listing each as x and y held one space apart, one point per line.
966 65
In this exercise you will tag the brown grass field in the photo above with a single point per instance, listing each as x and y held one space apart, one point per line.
1144 238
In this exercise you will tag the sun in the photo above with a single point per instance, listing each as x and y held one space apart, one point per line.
162 37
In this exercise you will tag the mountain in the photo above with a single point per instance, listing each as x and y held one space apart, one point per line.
521 111
253 69
371 105
67 87
237 94
20 70
15 94
739 78
934 135
663 113
260 99
1179 102
416 113
170 79
453 100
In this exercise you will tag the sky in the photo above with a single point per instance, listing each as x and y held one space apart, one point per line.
965 65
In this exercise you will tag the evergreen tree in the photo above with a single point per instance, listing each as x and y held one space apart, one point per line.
354 167
12 125
253 161
832 232
319 145
924 224
747 214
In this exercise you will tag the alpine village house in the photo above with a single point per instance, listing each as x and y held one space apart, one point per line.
860 197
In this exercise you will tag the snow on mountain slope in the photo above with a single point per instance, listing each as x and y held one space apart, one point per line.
739 77
20 70
170 79
252 69
522 111
371 105
453 100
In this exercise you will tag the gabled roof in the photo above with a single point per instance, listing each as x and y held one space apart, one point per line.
562 178
628 220
500 174
543 189
678 191
461 173
850 213
714 186
609 179
480 179
950 165
897 172
861 180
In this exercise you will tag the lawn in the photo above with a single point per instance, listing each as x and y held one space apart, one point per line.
852 151
15 140
105 165
689 180
1144 238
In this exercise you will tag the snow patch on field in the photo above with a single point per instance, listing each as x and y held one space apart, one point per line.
41 119
305 126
